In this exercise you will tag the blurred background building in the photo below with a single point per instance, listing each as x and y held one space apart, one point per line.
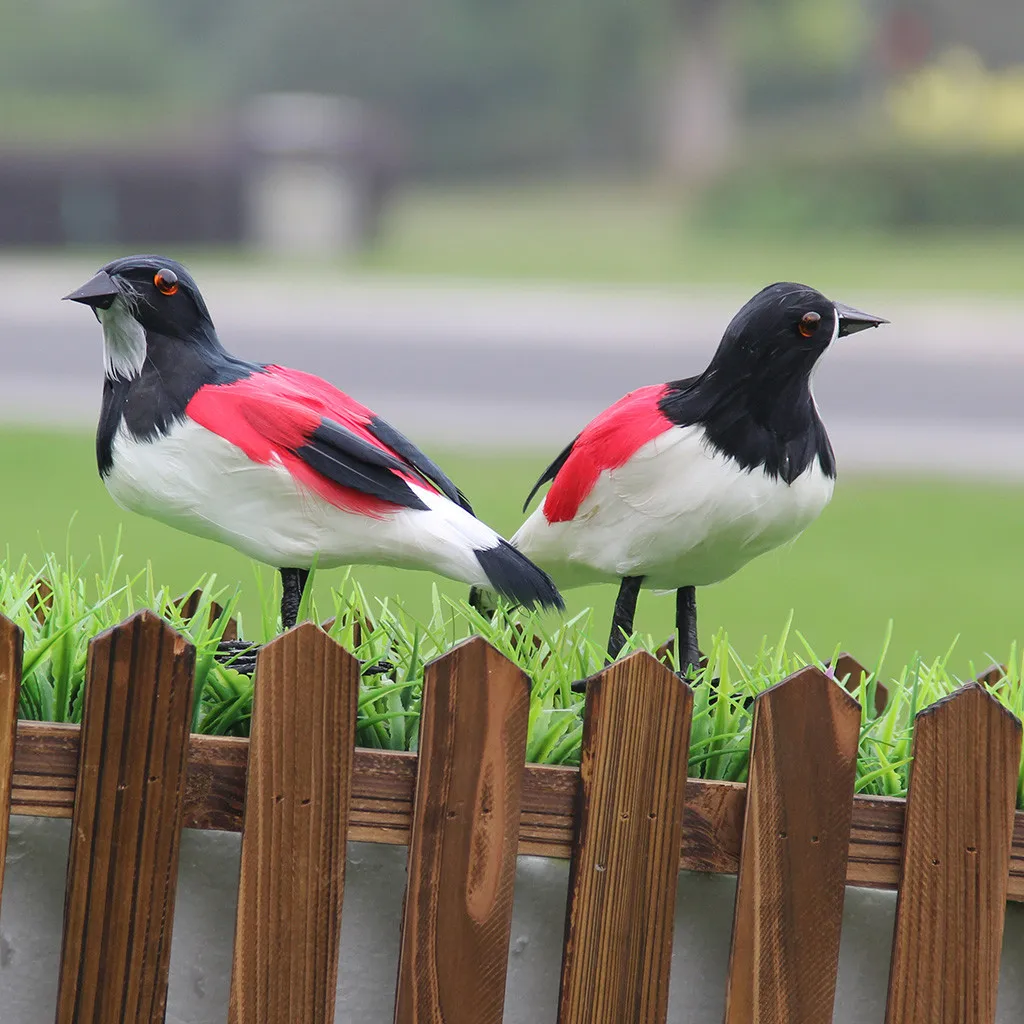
129 121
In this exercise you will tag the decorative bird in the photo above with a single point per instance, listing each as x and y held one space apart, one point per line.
274 462
678 485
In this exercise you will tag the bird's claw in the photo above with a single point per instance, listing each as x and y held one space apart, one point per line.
239 655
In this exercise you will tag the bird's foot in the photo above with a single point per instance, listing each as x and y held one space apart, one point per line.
691 664
239 655
483 600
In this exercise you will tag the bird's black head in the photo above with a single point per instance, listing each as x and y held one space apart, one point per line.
782 331
754 399
140 300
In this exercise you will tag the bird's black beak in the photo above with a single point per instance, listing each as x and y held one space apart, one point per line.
853 320
98 292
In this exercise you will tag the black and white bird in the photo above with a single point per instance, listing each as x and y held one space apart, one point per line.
678 485
276 463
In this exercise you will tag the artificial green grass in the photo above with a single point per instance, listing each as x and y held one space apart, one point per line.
394 649
939 559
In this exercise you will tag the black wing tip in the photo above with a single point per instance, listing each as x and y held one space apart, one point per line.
536 487
346 468
463 501
429 470
552 471
516 578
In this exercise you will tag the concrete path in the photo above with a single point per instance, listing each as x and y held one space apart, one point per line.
527 365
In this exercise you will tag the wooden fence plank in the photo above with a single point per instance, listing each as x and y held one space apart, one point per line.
40 601
11 644
465 831
46 766
188 605
293 841
789 899
992 676
622 884
123 866
849 673
952 897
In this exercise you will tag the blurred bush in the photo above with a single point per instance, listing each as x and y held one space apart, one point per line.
957 103
898 188
951 154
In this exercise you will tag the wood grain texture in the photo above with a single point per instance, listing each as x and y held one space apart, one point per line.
849 673
188 605
11 644
40 601
622 883
293 842
465 834
956 858
789 898
126 829
993 676
46 766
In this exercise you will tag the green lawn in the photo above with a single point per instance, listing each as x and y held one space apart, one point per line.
636 235
632 235
939 559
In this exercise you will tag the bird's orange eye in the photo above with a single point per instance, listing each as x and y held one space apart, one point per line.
809 323
166 281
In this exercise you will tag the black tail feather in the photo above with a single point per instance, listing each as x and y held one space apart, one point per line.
512 575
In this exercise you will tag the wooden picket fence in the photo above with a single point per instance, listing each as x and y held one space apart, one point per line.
628 820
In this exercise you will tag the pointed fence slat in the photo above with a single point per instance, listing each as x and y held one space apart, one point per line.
992 676
789 899
126 827
952 896
11 644
622 884
465 833
40 601
849 672
293 838
188 605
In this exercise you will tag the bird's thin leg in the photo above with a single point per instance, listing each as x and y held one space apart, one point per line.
686 625
240 654
622 622
293 582
622 617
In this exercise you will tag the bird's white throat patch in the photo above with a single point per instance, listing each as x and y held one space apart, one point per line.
124 341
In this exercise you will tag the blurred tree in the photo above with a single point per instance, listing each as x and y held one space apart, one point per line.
701 105
482 86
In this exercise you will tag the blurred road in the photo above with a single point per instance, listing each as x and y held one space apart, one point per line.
526 366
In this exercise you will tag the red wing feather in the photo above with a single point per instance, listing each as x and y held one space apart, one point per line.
607 442
318 433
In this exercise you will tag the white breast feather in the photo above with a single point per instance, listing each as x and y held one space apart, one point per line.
678 513
197 481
